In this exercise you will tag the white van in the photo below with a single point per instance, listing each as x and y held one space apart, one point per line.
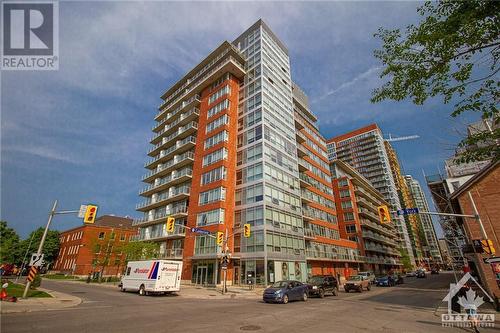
152 276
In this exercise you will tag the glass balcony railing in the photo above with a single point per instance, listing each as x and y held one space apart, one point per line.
179 144
162 215
164 197
168 179
170 163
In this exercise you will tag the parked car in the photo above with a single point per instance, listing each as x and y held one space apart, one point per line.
369 275
421 274
411 274
358 283
285 291
398 279
385 281
435 271
319 285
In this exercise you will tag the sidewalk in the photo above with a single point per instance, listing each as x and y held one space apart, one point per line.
57 302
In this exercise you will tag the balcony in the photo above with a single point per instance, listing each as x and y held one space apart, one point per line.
299 137
377 227
380 249
303 165
174 212
164 183
180 147
309 234
304 180
379 238
301 152
230 64
172 254
164 199
177 162
368 213
181 133
179 232
192 103
331 256
185 118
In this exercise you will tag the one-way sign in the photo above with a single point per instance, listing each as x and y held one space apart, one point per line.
408 211
36 260
200 231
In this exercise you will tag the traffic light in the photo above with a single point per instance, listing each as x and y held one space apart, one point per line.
383 214
246 230
170 224
488 246
90 214
220 238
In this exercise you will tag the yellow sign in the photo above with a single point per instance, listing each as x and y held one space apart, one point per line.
220 238
383 214
170 224
90 214
488 246
246 230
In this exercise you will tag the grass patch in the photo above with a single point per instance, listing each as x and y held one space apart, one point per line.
59 277
17 290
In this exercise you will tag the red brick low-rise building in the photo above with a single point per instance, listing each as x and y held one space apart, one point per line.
95 247
485 190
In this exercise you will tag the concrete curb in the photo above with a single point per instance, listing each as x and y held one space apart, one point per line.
58 301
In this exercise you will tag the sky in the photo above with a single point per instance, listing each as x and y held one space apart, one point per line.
80 134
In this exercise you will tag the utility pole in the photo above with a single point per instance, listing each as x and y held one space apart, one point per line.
40 247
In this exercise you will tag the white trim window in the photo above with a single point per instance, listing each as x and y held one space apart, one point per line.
219 154
215 194
215 216
222 120
219 93
217 138
213 175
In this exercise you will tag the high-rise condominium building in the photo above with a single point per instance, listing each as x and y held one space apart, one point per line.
432 246
364 150
234 143
405 198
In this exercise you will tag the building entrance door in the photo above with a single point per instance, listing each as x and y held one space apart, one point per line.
201 275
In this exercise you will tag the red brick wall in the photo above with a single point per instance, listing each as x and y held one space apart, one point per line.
85 249
486 195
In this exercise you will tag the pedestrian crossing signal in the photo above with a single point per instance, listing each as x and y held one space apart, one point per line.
220 238
90 214
383 214
170 224
246 230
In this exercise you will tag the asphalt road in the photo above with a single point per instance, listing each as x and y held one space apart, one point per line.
406 308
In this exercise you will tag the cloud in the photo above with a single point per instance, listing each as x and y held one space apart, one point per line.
360 77
45 152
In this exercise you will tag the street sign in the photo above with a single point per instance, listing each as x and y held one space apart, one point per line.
36 260
32 274
200 231
81 213
408 211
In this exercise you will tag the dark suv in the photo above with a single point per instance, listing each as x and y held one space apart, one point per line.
319 285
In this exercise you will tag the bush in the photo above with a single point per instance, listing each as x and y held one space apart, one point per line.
36 282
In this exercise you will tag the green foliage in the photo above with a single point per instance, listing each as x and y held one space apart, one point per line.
50 247
37 281
141 250
405 260
453 53
9 243
17 290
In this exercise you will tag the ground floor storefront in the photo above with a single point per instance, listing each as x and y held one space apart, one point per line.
248 271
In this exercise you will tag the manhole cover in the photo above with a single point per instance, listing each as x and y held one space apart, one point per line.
250 328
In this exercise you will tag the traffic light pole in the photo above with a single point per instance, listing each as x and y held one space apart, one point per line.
44 236
40 247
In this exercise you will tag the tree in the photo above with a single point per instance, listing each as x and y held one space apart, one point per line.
141 250
405 259
50 247
9 243
454 53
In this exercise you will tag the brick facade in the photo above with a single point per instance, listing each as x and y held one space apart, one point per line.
84 249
